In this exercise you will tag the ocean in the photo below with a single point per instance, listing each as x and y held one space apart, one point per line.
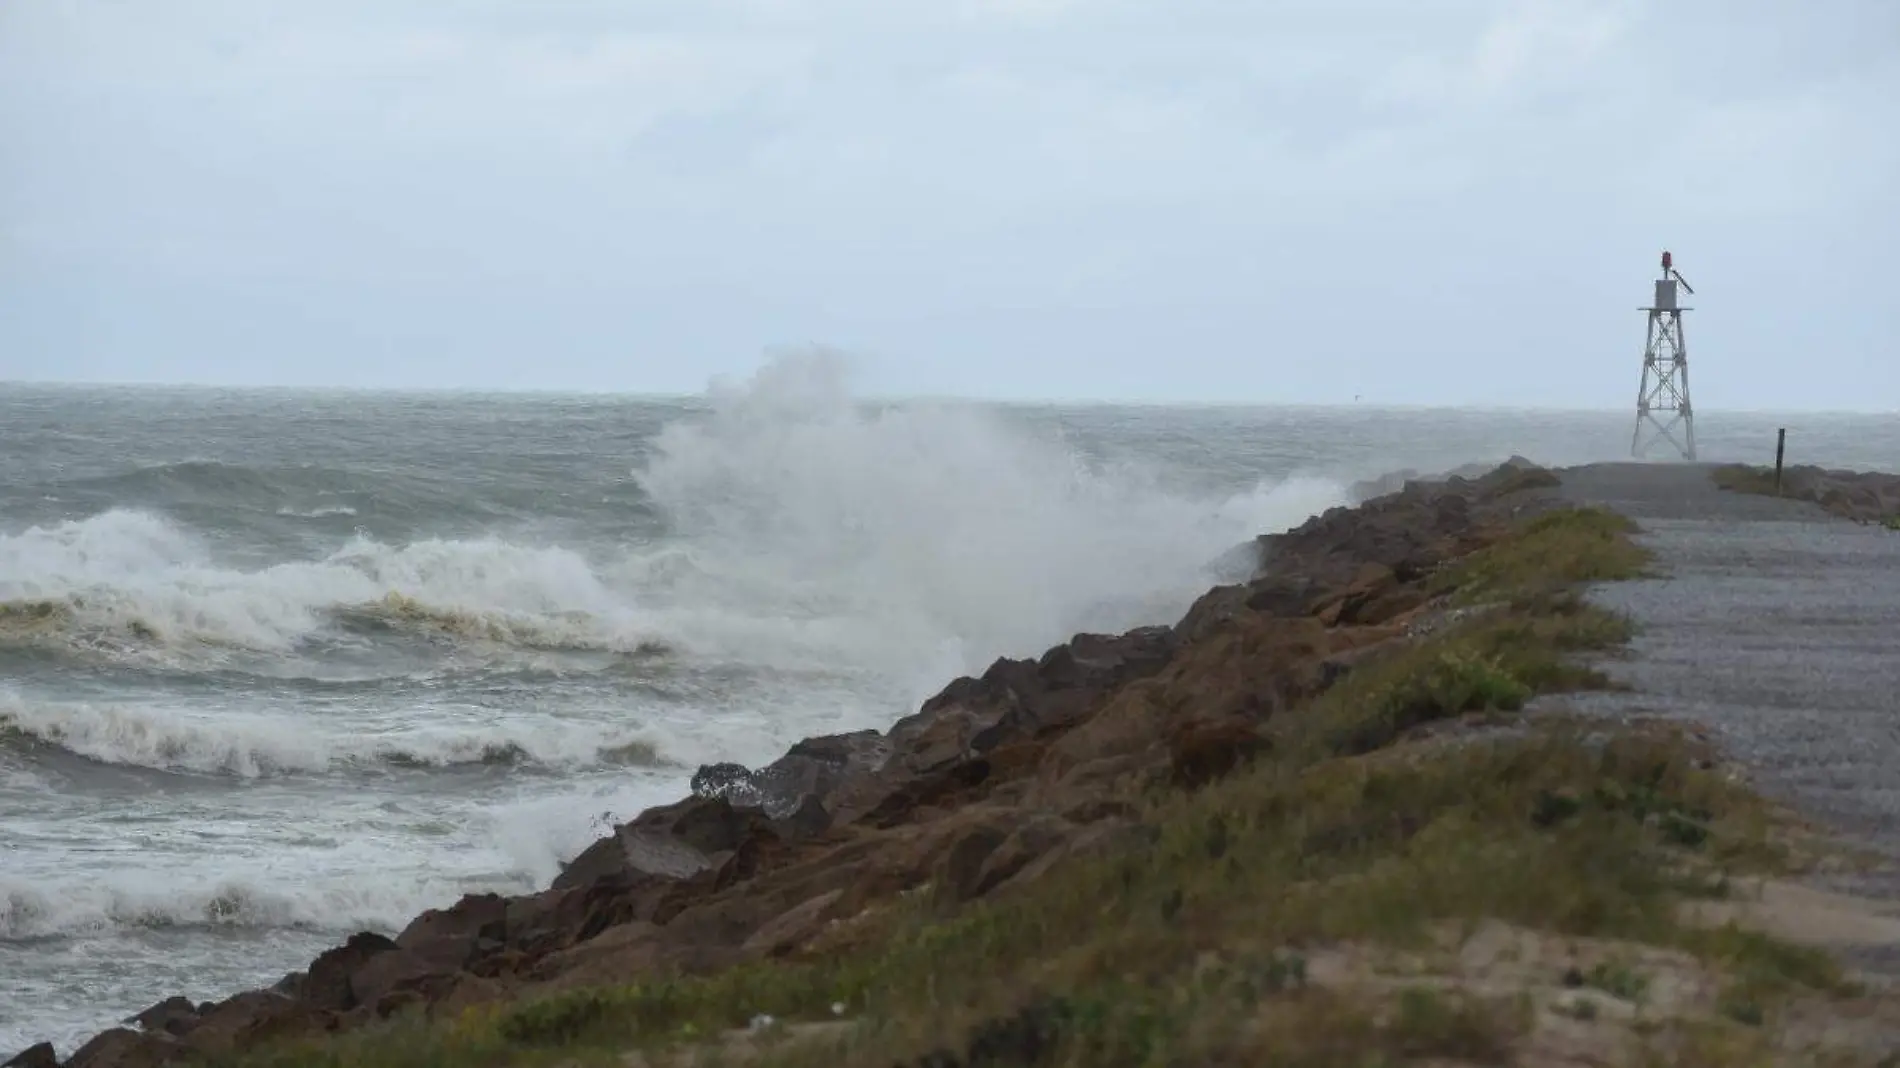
277 666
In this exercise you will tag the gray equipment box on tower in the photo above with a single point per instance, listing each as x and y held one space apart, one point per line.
1665 294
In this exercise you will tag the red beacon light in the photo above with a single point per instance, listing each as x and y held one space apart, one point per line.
1666 264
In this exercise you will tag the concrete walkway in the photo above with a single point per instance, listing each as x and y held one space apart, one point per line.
1776 626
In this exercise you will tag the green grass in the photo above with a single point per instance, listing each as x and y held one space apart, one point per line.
1494 663
1554 551
1194 947
1742 478
1618 979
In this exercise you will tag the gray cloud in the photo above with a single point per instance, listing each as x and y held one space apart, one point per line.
1445 203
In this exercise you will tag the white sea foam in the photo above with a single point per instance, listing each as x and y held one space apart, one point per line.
252 745
125 581
74 908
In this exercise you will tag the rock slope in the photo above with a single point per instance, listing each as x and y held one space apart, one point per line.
989 784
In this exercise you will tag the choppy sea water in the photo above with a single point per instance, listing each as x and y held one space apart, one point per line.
279 666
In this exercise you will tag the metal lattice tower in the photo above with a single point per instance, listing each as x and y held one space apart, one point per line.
1665 385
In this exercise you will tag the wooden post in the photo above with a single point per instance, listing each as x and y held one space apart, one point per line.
1781 445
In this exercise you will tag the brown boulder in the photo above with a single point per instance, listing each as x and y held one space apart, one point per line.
327 985
617 954
450 938
1033 837
907 800
386 972
988 845
1199 753
795 927
536 921
249 1018
632 849
568 916
1390 605
174 1016
815 767
942 733
1127 724
1023 699
124 1048
1372 582
676 841
962 865
810 770
40 1056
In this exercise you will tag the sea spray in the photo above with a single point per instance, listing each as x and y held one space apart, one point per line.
940 534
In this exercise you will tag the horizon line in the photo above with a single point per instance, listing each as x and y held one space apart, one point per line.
878 398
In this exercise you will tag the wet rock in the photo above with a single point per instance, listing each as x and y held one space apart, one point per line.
536 922
251 1018
816 767
632 850
40 1056
327 986
172 1016
450 938
123 1048
809 820
675 842
810 770
1236 564
909 800
386 972
732 782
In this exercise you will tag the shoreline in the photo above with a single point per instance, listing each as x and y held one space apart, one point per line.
992 784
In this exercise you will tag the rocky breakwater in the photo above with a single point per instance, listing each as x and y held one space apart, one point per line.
1863 496
989 784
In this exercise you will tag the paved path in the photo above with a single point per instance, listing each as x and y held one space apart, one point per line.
1775 625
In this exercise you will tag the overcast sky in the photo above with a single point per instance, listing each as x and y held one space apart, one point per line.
1412 201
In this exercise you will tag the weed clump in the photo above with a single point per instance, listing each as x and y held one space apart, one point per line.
1554 551
1495 663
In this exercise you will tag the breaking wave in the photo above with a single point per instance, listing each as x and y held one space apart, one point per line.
547 630
133 584
30 911
254 746
802 527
